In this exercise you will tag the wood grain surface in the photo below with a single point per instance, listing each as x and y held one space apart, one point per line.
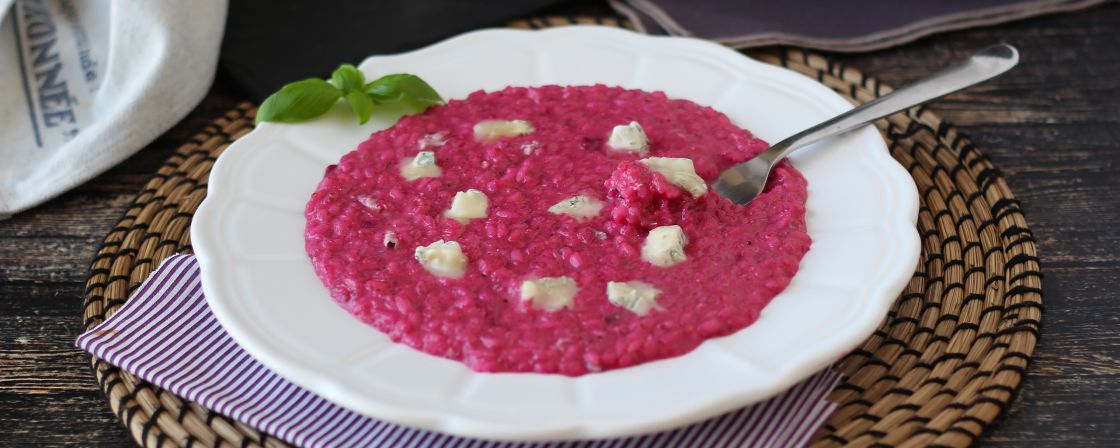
1052 125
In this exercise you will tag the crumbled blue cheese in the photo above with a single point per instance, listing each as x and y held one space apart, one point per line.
423 165
629 137
579 207
637 296
680 172
549 293
468 205
432 140
442 259
487 130
664 246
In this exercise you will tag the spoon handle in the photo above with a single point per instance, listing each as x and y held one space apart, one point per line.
986 64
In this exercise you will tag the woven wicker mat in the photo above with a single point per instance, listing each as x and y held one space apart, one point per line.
943 364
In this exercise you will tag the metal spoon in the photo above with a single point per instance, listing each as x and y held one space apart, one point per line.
743 182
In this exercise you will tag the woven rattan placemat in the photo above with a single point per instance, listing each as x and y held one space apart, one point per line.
944 363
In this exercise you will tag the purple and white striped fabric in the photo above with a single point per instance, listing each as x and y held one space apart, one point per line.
167 335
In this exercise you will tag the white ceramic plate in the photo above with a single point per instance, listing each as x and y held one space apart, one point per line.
862 206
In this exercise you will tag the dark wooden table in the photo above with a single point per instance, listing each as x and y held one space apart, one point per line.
1052 125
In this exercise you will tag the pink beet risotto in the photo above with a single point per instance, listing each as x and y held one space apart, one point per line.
738 257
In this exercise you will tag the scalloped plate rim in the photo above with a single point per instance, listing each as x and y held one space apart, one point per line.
901 208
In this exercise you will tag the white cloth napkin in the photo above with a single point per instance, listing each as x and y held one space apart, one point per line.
167 335
86 83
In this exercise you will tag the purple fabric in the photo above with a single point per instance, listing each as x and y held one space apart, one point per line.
167 335
852 25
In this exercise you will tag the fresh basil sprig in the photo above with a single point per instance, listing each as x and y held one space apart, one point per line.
312 97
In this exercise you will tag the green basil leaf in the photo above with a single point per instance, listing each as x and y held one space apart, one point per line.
404 88
299 101
348 78
360 104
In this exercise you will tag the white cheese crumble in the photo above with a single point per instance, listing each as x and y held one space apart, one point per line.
579 207
664 246
549 293
680 172
528 148
370 203
629 137
442 259
636 296
432 140
423 165
487 130
390 239
468 205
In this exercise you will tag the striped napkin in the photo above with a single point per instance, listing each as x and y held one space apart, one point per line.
167 335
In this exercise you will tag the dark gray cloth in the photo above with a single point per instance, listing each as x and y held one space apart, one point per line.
269 43
852 25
